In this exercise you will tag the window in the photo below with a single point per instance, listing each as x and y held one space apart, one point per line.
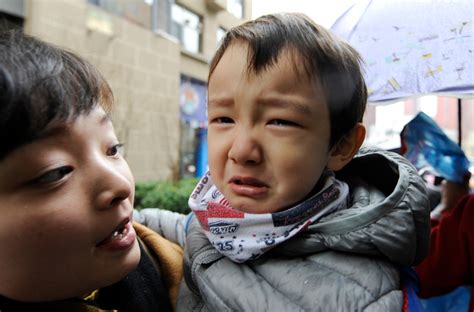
10 21
219 35
136 11
236 7
161 15
187 27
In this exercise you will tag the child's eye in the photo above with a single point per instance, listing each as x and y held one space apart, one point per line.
223 120
282 122
52 176
115 150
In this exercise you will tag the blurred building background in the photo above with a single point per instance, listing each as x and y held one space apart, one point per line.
384 122
155 55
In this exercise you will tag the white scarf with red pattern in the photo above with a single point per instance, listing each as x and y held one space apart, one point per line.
246 236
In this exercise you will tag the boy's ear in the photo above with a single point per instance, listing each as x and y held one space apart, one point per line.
346 148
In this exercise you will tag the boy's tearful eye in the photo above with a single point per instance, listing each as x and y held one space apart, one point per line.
115 150
52 176
282 123
223 120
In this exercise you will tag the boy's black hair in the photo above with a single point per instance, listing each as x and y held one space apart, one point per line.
41 84
327 60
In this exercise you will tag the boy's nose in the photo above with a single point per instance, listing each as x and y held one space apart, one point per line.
245 149
114 184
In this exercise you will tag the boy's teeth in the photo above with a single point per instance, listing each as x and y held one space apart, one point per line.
117 235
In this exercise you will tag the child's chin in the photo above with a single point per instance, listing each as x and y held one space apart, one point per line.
123 267
128 263
133 258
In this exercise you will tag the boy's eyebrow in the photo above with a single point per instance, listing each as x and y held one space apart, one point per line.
224 102
286 103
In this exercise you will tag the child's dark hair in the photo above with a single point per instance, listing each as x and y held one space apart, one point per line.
41 84
327 60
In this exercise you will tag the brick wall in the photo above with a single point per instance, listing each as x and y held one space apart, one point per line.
142 68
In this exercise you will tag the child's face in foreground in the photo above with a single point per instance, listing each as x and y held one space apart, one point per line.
268 133
62 197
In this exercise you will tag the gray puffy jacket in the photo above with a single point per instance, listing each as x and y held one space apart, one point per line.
346 262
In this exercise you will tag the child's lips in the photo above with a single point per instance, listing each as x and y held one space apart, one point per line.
121 238
246 186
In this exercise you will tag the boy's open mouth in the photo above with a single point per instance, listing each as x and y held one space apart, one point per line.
247 181
248 187
119 232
